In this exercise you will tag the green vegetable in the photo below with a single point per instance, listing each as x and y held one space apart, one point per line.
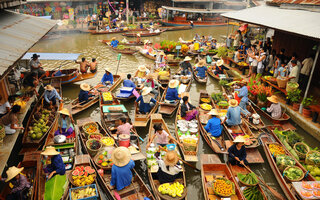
293 137
293 173
250 179
301 148
314 157
252 193
285 160
223 104
54 188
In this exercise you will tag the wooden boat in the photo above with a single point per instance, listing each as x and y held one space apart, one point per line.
200 80
184 22
147 55
171 62
128 51
128 43
152 173
211 73
211 167
143 34
287 186
95 32
176 28
70 75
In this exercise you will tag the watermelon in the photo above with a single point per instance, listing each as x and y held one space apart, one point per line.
81 173
99 161
91 171
75 172
85 173
78 168
82 168
87 168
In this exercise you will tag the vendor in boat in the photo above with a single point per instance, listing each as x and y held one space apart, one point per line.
84 94
172 92
243 94
121 175
153 84
10 121
84 65
274 109
124 127
214 124
201 69
233 116
138 38
186 66
51 95
163 137
35 65
188 111
114 42
19 182
128 82
93 66
169 167
107 78
237 152
219 68
30 83
160 60
142 72
146 101
57 166
65 123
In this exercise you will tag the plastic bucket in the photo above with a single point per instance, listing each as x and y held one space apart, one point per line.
124 140
133 139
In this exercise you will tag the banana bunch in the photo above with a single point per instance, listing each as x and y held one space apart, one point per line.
206 106
173 190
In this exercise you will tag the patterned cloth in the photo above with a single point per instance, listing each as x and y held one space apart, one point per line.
275 110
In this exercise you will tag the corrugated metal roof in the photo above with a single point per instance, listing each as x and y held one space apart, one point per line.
193 10
299 22
197 1
302 2
18 33
52 56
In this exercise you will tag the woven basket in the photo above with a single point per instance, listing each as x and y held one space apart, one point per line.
233 189
310 162
289 88
301 155
92 134
92 152
84 127
71 179
282 83
295 180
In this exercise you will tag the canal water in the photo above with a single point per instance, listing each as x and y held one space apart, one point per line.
90 47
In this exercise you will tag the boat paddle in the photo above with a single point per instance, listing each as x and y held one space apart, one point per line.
273 191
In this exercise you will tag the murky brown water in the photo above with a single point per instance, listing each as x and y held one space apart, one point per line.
89 46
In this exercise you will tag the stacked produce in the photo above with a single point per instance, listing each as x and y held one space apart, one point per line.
205 100
83 175
253 193
223 187
151 160
84 192
104 159
173 190
96 136
188 135
301 149
284 161
248 179
243 64
310 189
206 106
217 97
284 137
293 173
90 128
41 123
107 96
276 149
107 141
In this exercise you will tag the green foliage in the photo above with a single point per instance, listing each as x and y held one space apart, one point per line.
294 95
307 101
121 47
217 97
54 187
259 37
222 51
224 83
168 45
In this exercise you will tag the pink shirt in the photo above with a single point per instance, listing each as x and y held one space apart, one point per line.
162 138
124 128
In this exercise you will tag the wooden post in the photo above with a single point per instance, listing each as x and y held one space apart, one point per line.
127 7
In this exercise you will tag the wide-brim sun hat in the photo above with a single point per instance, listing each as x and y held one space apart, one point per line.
49 87
113 38
107 69
121 156
173 83
239 139
171 158
213 112
233 103
142 68
151 76
85 86
50 151
64 111
146 91
35 55
162 53
201 63
273 99
187 58
219 63
13 172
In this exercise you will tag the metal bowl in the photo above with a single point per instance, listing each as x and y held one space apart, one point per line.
59 139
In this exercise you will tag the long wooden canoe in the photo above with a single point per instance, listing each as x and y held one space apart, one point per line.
152 174
129 43
95 32
143 34
128 51
171 62
176 28
200 80
70 76
217 77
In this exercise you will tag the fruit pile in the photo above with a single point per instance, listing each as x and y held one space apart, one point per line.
293 173
82 176
82 193
306 185
94 145
310 190
248 179
95 136
206 106
223 187
315 185
108 141
173 190
316 193
91 128
242 63
40 124
252 193
276 149
205 100
106 96
104 160
306 194
301 148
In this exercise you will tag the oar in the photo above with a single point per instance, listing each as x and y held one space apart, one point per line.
185 162
137 135
274 192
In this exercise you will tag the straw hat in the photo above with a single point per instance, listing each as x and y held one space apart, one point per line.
187 58
107 69
145 41
13 172
113 38
219 63
85 86
64 111
49 87
122 22
146 91
173 83
138 35
239 139
121 156
50 151
142 68
162 53
273 99
201 63
171 158
213 112
151 75
233 103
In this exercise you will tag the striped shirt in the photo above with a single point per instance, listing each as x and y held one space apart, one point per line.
275 110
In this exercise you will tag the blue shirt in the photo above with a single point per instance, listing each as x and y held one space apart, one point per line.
282 72
121 176
114 43
214 127
201 71
48 95
58 165
233 116
243 94
128 83
83 96
145 107
172 94
107 77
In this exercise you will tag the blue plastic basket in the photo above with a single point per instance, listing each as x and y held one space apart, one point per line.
171 147
88 198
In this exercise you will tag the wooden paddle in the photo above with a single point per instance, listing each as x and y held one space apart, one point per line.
273 191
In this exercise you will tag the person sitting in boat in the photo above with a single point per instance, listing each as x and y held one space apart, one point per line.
51 95
201 69
142 72
151 29
188 111
30 83
219 68
35 65
169 167
214 124
146 101
163 137
107 78
274 109
243 94
65 123
172 92
93 66
160 60
121 175
128 82
114 42
121 25
10 120
186 66
213 43
233 116
57 167
124 127
153 84
84 94
141 26
84 65
237 152
20 184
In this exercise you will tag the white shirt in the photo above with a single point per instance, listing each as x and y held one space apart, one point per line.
172 170
294 73
3 107
307 65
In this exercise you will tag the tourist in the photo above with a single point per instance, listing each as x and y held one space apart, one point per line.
142 72
294 74
305 71
160 60
146 101
237 152
107 78
163 137
262 57
238 56
88 20
30 83
274 109
57 167
124 127
114 42
35 65
186 66
229 41
267 45
242 48
100 18
5 107
94 19
93 66
250 54
219 68
153 84
172 92
246 41
277 65
169 167
121 175
65 123
237 38
128 82
84 65
254 63
188 111
19 182
84 94
51 95
243 94
233 116
272 59
214 124
289 65
201 69
10 120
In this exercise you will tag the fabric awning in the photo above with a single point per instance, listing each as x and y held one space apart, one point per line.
52 56
193 10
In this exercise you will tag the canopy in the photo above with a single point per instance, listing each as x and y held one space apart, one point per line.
53 56
193 10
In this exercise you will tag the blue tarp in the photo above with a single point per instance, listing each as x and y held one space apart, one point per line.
53 56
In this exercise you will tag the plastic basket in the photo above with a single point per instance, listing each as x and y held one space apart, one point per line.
301 155
282 83
88 198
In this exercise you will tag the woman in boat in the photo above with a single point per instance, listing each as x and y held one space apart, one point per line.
107 78
186 66
243 94
19 182
146 101
219 68
153 84
51 95
233 116
160 60
121 175
237 152
172 92
201 69
57 166
124 127
84 94
169 167
214 124
65 123
274 109
163 137
10 120
114 43
188 111
142 72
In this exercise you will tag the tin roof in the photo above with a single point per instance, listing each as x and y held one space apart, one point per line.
193 10
301 22
302 2
52 56
18 33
